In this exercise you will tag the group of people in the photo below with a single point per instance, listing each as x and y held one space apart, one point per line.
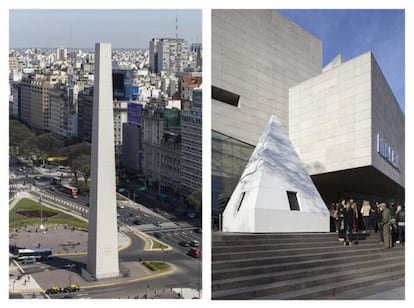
387 220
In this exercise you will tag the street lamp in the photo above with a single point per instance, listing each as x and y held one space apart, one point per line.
41 227
70 266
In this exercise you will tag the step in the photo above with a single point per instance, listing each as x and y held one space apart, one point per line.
334 288
246 240
388 289
303 283
237 255
274 276
228 272
350 251
270 246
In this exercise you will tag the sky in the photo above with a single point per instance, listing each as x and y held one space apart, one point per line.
83 28
353 32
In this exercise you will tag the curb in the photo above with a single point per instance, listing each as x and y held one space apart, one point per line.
167 272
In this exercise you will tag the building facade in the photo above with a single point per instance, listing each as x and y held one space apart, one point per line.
168 55
256 56
348 129
192 144
342 120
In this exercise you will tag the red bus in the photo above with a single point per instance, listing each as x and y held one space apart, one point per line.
70 190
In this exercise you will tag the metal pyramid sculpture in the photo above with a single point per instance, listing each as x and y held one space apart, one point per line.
275 192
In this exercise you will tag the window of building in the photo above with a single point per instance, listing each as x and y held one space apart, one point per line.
241 200
225 96
293 201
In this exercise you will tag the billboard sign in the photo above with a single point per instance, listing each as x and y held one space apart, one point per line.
134 113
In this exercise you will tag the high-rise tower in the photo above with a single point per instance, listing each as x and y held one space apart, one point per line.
103 236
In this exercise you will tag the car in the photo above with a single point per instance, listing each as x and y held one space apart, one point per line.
52 188
54 290
120 206
157 223
157 210
194 252
195 243
184 244
198 230
191 215
136 222
72 288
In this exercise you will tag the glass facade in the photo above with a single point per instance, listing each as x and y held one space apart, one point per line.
229 158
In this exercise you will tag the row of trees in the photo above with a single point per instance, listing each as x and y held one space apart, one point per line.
38 147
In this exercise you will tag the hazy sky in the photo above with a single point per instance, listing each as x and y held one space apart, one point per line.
83 28
353 32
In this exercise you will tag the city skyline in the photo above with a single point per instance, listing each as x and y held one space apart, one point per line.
82 28
352 32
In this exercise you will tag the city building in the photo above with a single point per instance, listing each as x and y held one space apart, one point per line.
256 56
192 144
34 102
85 103
63 111
348 129
120 117
61 54
162 147
343 120
168 55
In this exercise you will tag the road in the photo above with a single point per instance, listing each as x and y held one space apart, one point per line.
164 226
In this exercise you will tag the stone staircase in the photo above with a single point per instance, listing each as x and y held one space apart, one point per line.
300 265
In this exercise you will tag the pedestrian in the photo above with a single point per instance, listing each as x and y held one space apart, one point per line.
340 220
355 224
366 211
349 217
400 220
386 225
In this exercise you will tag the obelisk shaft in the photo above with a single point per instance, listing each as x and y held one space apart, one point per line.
103 235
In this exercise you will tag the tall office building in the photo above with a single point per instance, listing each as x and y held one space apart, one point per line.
168 54
35 101
191 144
61 54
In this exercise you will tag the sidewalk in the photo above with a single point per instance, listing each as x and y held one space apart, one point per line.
28 287
22 284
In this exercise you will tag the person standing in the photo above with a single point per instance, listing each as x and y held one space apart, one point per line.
349 215
400 219
386 225
366 211
340 220
355 224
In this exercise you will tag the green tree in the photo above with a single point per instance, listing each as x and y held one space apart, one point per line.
49 144
81 165
195 199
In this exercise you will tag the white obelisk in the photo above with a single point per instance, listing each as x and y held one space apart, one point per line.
103 229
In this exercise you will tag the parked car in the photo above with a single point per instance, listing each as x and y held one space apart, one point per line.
157 210
195 243
72 288
194 252
158 235
54 290
136 222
